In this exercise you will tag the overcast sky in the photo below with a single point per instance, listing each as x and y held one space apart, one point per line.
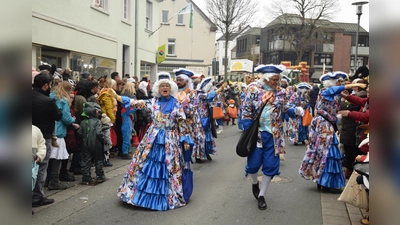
347 13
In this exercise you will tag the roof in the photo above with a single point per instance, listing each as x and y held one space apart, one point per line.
253 31
349 27
234 35
296 20
213 27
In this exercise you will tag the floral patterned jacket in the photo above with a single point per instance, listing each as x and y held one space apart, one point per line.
251 107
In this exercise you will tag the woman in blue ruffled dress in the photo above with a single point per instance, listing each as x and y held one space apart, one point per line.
322 160
154 177
206 96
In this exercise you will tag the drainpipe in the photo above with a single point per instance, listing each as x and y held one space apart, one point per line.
136 37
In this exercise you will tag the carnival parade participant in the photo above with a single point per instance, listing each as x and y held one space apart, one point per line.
187 97
154 177
271 139
241 94
285 81
299 102
322 160
205 97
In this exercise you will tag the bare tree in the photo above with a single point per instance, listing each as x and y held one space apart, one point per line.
297 22
228 15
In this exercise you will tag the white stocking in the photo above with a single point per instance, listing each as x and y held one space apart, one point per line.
264 185
254 179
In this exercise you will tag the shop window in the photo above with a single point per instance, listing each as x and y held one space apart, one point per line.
95 65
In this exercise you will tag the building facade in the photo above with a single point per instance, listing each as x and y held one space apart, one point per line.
220 50
99 36
186 47
332 44
248 45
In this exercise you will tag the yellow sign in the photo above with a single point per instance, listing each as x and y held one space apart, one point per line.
161 54
237 66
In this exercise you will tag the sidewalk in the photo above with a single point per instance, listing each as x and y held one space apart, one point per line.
74 188
339 213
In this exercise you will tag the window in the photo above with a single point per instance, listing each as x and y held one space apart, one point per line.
164 16
328 37
319 59
101 5
149 14
363 41
171 47
180 19
126 10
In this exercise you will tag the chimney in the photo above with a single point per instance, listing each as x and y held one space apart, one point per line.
240 27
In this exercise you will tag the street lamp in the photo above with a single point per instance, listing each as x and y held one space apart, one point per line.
359 13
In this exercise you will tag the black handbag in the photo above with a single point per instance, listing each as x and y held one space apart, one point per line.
248 140
212 123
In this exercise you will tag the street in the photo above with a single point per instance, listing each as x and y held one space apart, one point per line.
221 195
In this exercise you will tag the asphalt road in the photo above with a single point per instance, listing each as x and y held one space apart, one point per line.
222 195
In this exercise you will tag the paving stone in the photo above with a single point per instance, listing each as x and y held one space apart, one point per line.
336 220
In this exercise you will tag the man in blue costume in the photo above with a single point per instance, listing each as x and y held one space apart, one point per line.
270 136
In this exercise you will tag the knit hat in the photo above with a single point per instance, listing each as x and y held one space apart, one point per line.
105 119
85 75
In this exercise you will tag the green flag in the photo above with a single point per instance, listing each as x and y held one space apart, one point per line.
185 10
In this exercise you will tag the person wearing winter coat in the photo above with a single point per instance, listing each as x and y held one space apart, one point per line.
63 102
105 99
347 129
38 151
127 113
92 146
106 128
362 116
44 113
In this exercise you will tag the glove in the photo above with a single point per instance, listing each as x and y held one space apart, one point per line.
299 111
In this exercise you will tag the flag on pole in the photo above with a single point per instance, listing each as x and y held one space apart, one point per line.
185 10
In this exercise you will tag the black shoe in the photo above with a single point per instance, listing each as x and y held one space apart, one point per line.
331 190
295 144
319 187
261 203
125 156
256 190
233 123
208 157
43 201
77 172
303 142
32 212
67 178
91 182
198 160
57 186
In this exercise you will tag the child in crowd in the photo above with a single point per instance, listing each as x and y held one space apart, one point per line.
92 146
106 128
38 152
